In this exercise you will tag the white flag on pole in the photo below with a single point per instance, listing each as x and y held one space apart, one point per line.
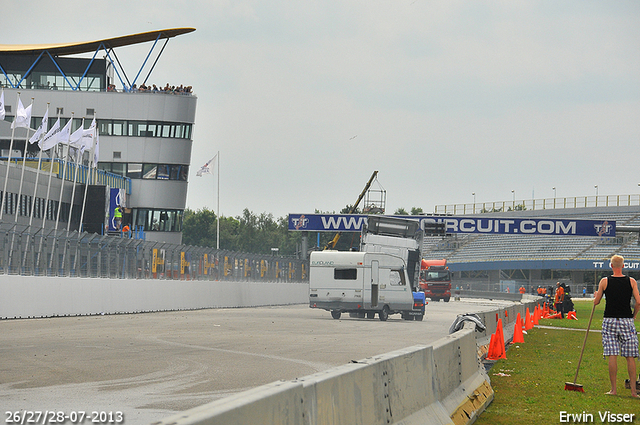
42 130
2 113
23 116
205 168
64 134
75 139
51 138
87 136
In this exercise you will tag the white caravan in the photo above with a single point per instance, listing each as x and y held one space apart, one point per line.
362 284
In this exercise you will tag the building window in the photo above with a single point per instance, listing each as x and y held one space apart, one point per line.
149 171
144 129
158 220
119 168
134 171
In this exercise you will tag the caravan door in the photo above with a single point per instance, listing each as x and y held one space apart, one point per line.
375 282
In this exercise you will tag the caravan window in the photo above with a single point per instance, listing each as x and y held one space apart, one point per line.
396 277
345 274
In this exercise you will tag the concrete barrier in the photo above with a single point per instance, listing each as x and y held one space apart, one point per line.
29 296
443 383
439 384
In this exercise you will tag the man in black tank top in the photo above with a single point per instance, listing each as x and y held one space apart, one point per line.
619 335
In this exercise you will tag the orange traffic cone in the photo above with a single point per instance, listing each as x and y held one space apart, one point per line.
572 315
496 346
491 354
528 324
536 315
500 340
518 337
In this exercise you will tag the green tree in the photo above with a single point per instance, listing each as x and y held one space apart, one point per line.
401 211
249 232
416 211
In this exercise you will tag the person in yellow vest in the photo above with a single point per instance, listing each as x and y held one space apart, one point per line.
117 215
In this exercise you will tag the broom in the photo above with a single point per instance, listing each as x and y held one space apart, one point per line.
572 386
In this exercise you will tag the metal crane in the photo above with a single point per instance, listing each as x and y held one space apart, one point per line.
332 243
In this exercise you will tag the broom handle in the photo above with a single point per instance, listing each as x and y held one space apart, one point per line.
584 344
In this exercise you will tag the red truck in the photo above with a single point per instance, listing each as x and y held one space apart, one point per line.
435 279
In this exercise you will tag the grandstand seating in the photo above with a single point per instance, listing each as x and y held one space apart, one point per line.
488 248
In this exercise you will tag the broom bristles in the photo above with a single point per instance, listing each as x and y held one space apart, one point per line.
570 386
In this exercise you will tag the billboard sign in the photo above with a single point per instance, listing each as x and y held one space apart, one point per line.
464 225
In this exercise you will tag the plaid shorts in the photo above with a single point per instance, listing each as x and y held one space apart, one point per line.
619 337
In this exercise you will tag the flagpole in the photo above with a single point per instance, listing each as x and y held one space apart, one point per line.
24 160
64 169
218 207
46 199
6 177
89 173
75 179
35 188
51 162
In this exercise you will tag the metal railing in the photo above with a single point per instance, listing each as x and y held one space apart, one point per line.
56 166
540 204
31 251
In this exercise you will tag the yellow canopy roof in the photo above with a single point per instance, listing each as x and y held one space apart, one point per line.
91 46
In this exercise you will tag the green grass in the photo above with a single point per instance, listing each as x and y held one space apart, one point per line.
534 392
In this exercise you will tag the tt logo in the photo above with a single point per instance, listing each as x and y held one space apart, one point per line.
300 222
603 229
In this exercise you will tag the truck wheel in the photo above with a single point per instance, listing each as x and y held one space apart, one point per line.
384 314
371 315
335 314
419 318
446 299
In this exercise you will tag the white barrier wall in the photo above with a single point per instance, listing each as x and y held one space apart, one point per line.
436 384
29 296
444 383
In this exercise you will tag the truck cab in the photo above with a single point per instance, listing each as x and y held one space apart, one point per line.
435 279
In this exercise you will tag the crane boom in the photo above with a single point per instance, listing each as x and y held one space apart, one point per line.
332 243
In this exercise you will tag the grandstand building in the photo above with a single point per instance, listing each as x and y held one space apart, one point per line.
145 133
497 262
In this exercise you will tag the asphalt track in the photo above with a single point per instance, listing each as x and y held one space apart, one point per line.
152 365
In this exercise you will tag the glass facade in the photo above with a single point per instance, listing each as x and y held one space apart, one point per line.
157 220
136 170
144 129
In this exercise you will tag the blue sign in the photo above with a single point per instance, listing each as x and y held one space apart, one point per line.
464 225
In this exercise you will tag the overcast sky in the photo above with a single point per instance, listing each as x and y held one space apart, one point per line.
305 99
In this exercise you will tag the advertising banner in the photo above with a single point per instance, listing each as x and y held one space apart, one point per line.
463 225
